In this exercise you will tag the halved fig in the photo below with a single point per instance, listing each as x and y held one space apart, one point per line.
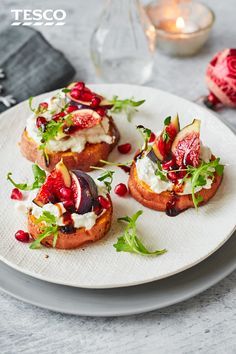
50 191
81 94
83 119
89 180
163 143
82 195
186 146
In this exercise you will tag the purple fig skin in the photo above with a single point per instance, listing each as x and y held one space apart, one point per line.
84 201
152 156
89 180
79 105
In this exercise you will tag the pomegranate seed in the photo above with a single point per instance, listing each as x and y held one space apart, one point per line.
43 105
121 189
172 176
181 174
105 203
69 205
22 236
167 165
57 116
71 109
152 137
79 85
16 194
125 168
97 209
125 148
41 122
95 102
101 111
65 193
86 96
75 93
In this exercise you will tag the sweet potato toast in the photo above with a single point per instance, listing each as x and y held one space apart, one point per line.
77 238
144 195
90 156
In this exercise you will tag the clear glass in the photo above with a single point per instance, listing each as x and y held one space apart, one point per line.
123 44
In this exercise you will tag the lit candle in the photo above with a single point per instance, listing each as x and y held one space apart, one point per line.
181 30
186 27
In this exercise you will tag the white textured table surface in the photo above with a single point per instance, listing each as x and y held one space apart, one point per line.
204 324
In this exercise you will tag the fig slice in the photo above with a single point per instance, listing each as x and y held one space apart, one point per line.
65 174
92 185
50 190
82 196
186 146
85 96
84 119
163 143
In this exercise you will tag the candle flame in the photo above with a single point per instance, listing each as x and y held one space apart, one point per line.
180 24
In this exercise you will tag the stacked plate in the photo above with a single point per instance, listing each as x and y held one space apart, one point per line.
98 281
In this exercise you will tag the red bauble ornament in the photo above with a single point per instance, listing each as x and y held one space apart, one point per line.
221 79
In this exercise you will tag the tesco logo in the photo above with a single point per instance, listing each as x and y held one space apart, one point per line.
38 17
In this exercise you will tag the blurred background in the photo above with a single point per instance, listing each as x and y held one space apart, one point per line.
183 76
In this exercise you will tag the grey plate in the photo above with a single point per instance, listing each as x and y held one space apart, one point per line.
121 301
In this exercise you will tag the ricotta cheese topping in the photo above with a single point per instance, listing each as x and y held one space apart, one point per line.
146 173
75 142
86 220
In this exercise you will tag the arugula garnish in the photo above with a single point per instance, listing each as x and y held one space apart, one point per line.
167 120
52 130
127 105
49 229
106 177
200 174
39 110
39 178
118 164
129 241
66 90
146 133
160 173
165 134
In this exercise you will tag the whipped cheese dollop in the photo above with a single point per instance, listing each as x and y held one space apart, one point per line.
86 220
146 173
75 142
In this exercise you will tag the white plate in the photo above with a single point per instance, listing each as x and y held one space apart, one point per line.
189 238
124 301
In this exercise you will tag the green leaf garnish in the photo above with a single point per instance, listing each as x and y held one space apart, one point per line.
39 110
49 229
106 177
200 174
146 133
127 105
47 217
66 90
129 241
165 136
167 120
118 164
39 178
53 128
160 173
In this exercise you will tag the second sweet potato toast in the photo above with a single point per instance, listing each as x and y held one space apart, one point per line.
74 125
176 171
